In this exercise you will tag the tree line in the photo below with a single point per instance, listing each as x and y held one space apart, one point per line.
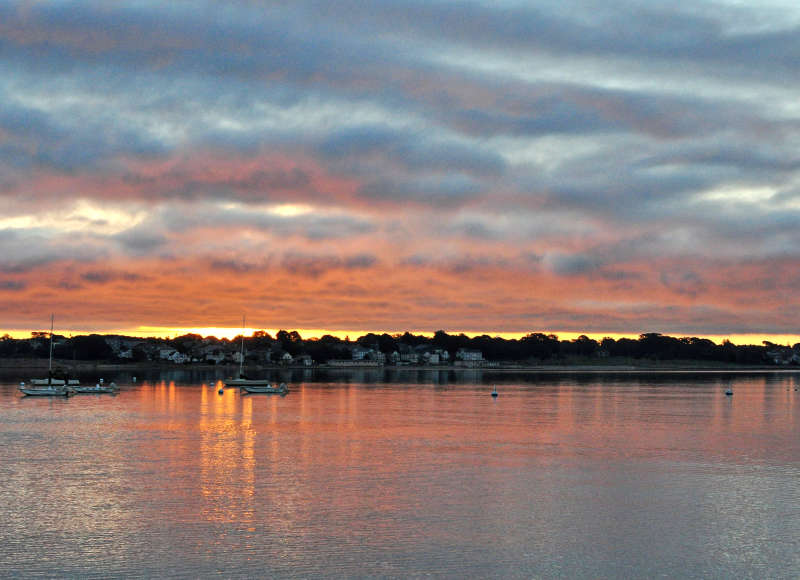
533 348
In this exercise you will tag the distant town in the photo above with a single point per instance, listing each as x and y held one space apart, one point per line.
288 348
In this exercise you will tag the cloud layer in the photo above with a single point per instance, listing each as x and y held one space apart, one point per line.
504 167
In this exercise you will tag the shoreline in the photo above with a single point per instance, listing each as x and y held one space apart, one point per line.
644 366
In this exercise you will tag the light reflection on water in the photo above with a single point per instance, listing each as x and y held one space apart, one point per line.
562 476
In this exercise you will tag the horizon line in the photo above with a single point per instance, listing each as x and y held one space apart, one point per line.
222 332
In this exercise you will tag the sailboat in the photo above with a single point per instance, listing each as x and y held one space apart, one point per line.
49 387
253 385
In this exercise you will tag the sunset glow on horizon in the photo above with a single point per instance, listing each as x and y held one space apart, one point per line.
230 333
499 167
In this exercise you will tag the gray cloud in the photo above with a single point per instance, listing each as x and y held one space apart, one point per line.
411 150
316 265
437 191
27 250
106 276
615 142
13 285
141 239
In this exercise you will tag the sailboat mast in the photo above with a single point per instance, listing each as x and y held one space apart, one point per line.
241 357
50 364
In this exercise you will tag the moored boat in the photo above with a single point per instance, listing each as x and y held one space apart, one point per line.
253 385
243 381
52 386
98 388
282 389
47 391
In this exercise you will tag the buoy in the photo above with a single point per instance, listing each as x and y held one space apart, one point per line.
222 390
729 392
494 392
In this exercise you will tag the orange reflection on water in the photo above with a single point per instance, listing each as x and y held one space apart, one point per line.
331 460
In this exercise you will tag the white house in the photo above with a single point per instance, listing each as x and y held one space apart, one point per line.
467 354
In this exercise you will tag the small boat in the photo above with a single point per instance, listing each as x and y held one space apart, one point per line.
494 392
282 389
243 381
729 392
98 388
52 386
253 385
47 391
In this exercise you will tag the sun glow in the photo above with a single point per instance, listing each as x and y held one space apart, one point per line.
230 333
290 209
82 216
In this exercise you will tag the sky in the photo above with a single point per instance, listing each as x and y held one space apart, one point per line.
607 167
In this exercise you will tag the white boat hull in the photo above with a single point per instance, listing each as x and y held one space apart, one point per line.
261 387
247 383
47 391
96 389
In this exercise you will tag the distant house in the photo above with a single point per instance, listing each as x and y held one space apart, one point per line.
781 355
215 356
469 358
360 352
353 363
303 360
467 354
173 355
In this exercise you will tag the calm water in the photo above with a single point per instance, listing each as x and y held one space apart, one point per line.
415 475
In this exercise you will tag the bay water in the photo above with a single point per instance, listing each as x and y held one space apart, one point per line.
379 474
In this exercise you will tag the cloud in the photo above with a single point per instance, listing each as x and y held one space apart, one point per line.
501 166
141 240
12 285
106 276
447 190
411 150
571 264
317 265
